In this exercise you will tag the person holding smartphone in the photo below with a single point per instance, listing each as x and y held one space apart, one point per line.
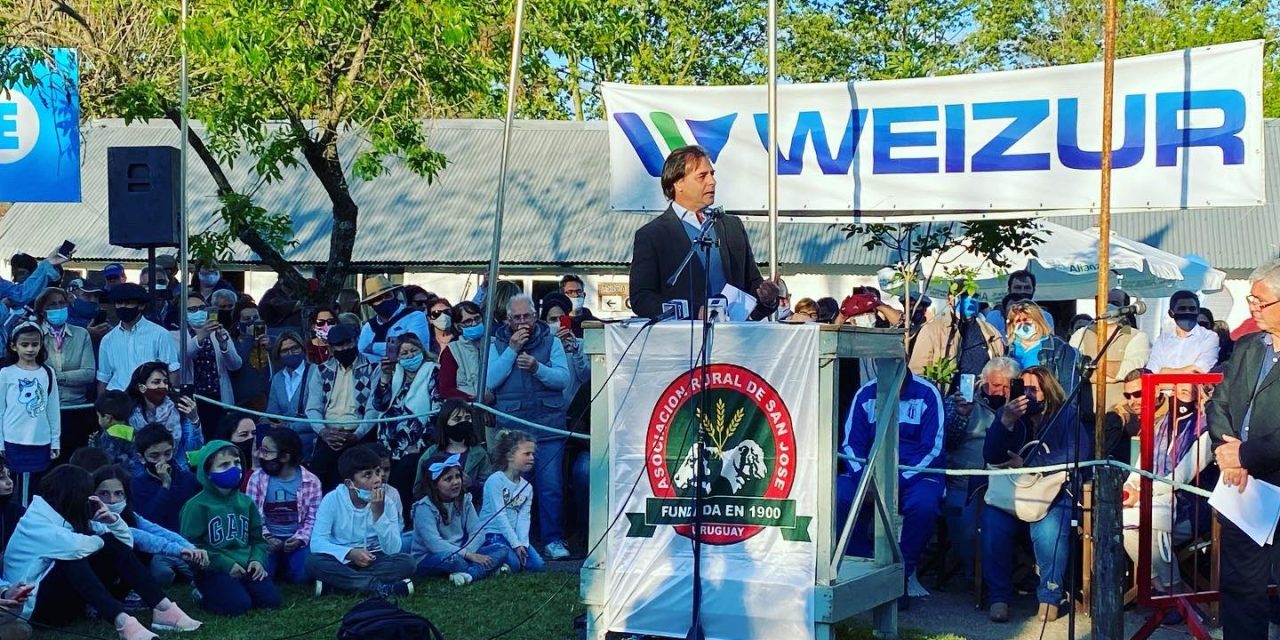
211 357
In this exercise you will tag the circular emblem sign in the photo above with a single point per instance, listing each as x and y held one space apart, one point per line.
747 463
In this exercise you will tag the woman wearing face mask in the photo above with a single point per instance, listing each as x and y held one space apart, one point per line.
112 488
456 434
149 388
209 279
322 320
460 361
211 357
288 395
241 430
1042 415
407 388
1032 343
441 321
71 357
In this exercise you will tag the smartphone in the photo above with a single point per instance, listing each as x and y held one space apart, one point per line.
393 347
566 322
966 386
225 319
187 390
259 329
66 249
1017 388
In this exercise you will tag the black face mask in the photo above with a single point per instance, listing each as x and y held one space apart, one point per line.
246 448
127 314
458 432
1019 297
346 357
1034 408
995 402
272 467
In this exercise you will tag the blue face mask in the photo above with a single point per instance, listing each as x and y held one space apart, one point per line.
227 478
209 279
412 363
292 360
197 319
966 307
56 317
84 308
363 494
473 333
1025 331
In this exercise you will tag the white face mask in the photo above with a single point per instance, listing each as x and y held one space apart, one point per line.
441 322
578 302
117 507
866 320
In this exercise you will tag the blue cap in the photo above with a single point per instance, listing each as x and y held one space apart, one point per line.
115 270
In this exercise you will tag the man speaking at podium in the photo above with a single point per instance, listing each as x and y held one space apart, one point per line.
689 182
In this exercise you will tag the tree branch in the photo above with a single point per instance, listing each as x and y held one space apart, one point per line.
351 72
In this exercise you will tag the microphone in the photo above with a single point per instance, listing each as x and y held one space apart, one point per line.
713 212
676 309
1138 308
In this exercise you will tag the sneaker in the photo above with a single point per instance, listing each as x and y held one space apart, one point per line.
319 588
133 603
999 612
556 550
460 578
397 589
172 619
133 630
915 589
505 569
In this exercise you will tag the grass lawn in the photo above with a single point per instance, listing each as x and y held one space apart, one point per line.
473 612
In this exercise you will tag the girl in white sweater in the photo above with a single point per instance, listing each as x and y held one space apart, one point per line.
508 501
30 420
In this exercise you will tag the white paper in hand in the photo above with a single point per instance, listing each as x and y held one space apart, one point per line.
1256 511
740 303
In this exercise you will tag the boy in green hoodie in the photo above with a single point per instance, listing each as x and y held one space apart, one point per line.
226 523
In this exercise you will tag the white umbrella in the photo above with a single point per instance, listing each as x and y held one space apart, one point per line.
1066 268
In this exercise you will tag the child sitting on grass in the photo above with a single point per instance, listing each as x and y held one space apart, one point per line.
162 546
448 539
115 436
508 500
226 523
355 545
288 496
158 491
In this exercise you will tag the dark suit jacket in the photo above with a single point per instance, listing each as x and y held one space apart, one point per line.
662 243
1260 454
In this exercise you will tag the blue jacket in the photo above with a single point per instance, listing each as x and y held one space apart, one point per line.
278 401
920 426
159 505
149 537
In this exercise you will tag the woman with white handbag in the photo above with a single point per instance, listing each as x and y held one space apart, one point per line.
1037 427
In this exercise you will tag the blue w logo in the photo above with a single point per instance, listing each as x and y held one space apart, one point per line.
712 135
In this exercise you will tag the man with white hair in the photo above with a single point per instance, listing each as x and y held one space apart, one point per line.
1244 420
528 372
966 430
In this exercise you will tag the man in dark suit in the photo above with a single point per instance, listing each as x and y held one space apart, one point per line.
1244 419
688 181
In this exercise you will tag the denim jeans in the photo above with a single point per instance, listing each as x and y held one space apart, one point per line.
224 595
961 514
919 502
580 481
166 569
548 486
443 564
291 564
533 561
1050 540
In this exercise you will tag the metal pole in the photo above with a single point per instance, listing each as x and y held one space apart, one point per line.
1104 215
773 139
513 87
186 375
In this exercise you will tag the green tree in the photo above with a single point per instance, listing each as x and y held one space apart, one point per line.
279 81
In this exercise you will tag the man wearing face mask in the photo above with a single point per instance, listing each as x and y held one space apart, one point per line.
134 342
966 431
959 334
209 279
1189 348
575 290
528 372
340 393
392 317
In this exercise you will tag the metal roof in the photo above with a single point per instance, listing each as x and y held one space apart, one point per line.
557 208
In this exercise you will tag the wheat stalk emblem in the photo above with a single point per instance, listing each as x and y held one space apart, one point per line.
719 431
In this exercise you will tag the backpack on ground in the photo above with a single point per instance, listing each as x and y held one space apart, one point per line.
379 619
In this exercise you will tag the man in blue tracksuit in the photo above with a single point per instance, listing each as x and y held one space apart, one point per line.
920 440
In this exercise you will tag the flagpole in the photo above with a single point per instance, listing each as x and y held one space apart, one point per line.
184 228
500 205
773 139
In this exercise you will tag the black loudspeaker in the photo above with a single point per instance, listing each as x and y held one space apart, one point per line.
143 196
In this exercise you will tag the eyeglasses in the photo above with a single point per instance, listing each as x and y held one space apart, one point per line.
438 312
572 293
291 351
421 303
326 323
1256 303
1133 396
197 309
523 317
473 321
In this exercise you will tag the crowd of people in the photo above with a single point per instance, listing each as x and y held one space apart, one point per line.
277 443
1028 401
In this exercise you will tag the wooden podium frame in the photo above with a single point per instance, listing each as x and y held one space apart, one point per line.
845 586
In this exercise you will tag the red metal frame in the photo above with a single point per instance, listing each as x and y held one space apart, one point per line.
1183 602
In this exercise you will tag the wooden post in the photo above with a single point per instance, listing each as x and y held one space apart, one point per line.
1108 555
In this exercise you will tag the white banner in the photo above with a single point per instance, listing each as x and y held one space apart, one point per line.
758 557
1187 133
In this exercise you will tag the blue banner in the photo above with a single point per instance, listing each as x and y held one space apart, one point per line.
40 126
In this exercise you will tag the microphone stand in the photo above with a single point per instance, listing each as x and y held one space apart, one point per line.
1087 368
703 242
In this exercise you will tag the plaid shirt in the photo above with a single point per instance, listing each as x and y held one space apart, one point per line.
309 494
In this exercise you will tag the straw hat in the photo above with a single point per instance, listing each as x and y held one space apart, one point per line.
378 286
